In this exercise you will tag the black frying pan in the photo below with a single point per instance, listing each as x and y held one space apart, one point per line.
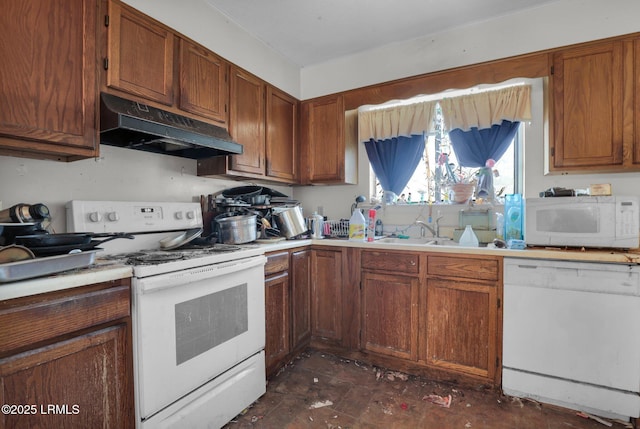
59 244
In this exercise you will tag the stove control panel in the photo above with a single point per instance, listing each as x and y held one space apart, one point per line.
131 217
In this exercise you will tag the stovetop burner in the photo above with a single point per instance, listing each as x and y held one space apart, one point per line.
158 257
189 251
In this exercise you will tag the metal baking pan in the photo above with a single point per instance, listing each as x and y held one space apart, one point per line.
30 268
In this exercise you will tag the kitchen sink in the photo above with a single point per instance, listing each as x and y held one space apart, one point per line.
427 241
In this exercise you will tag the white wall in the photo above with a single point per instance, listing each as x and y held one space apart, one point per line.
552 25
202 23
118 174
548 26
131 175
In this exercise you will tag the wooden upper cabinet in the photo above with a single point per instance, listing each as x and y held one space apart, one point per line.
634 102
246 120
203 82
48 78
329 155
587 84
140 57
281 135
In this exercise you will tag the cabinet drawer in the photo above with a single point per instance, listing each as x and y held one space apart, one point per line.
403 263
276 262
46 319
485 268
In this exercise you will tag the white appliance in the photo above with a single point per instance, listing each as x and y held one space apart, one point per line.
198 313
611 221
570 335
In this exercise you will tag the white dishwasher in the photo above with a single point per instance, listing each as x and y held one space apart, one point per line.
572 335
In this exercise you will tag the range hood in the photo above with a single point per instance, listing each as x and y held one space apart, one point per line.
134 125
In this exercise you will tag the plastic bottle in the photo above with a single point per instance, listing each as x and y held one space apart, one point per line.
500 226
468 237
371 225
357 226
379 228
513 217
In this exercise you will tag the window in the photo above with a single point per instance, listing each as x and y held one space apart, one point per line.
427 183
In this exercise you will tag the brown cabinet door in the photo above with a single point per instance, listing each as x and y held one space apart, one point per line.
246 120
587 104
326 292
460 329
282 125
300 298
140 55
48 77
203 82
390 314
81 382
277 319
635 129
324 144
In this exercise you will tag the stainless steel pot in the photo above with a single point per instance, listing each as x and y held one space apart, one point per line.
291 222
237 229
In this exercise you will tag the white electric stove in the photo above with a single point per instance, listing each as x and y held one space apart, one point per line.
197 311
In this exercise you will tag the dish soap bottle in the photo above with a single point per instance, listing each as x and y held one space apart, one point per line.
356 226
468 237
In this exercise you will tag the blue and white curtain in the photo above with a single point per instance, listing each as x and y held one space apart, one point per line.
394 138
482 126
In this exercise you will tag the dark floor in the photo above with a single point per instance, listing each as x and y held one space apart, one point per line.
319 390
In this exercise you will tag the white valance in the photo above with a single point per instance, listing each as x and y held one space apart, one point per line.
484 109
403 120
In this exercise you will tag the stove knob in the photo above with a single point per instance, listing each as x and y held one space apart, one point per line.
179 215
95 217
113 216
191 215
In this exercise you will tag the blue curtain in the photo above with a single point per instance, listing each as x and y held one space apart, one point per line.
474 147
394 160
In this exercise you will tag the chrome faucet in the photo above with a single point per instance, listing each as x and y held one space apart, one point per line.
434 231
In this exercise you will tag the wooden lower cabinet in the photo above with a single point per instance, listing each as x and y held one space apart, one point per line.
460 326
277 340
300 298
287 306
326 290
460 303
390 315
431 312
66 359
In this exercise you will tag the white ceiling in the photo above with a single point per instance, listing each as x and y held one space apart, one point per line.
314 31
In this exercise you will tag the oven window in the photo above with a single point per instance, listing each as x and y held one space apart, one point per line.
205 322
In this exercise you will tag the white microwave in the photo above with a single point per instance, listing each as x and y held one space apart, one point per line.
611 221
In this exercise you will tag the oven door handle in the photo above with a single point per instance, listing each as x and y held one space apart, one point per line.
178 278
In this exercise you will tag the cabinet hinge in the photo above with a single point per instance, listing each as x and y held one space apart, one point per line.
106 20
360 284
499 303
552 151
105 63
552 69
497 362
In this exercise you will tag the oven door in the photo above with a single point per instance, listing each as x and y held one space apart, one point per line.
192 325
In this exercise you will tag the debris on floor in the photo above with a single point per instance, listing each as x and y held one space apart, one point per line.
592 417
443 401
320 404
390 375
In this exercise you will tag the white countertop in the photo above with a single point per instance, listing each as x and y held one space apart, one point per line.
102 272
68 279
588 255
